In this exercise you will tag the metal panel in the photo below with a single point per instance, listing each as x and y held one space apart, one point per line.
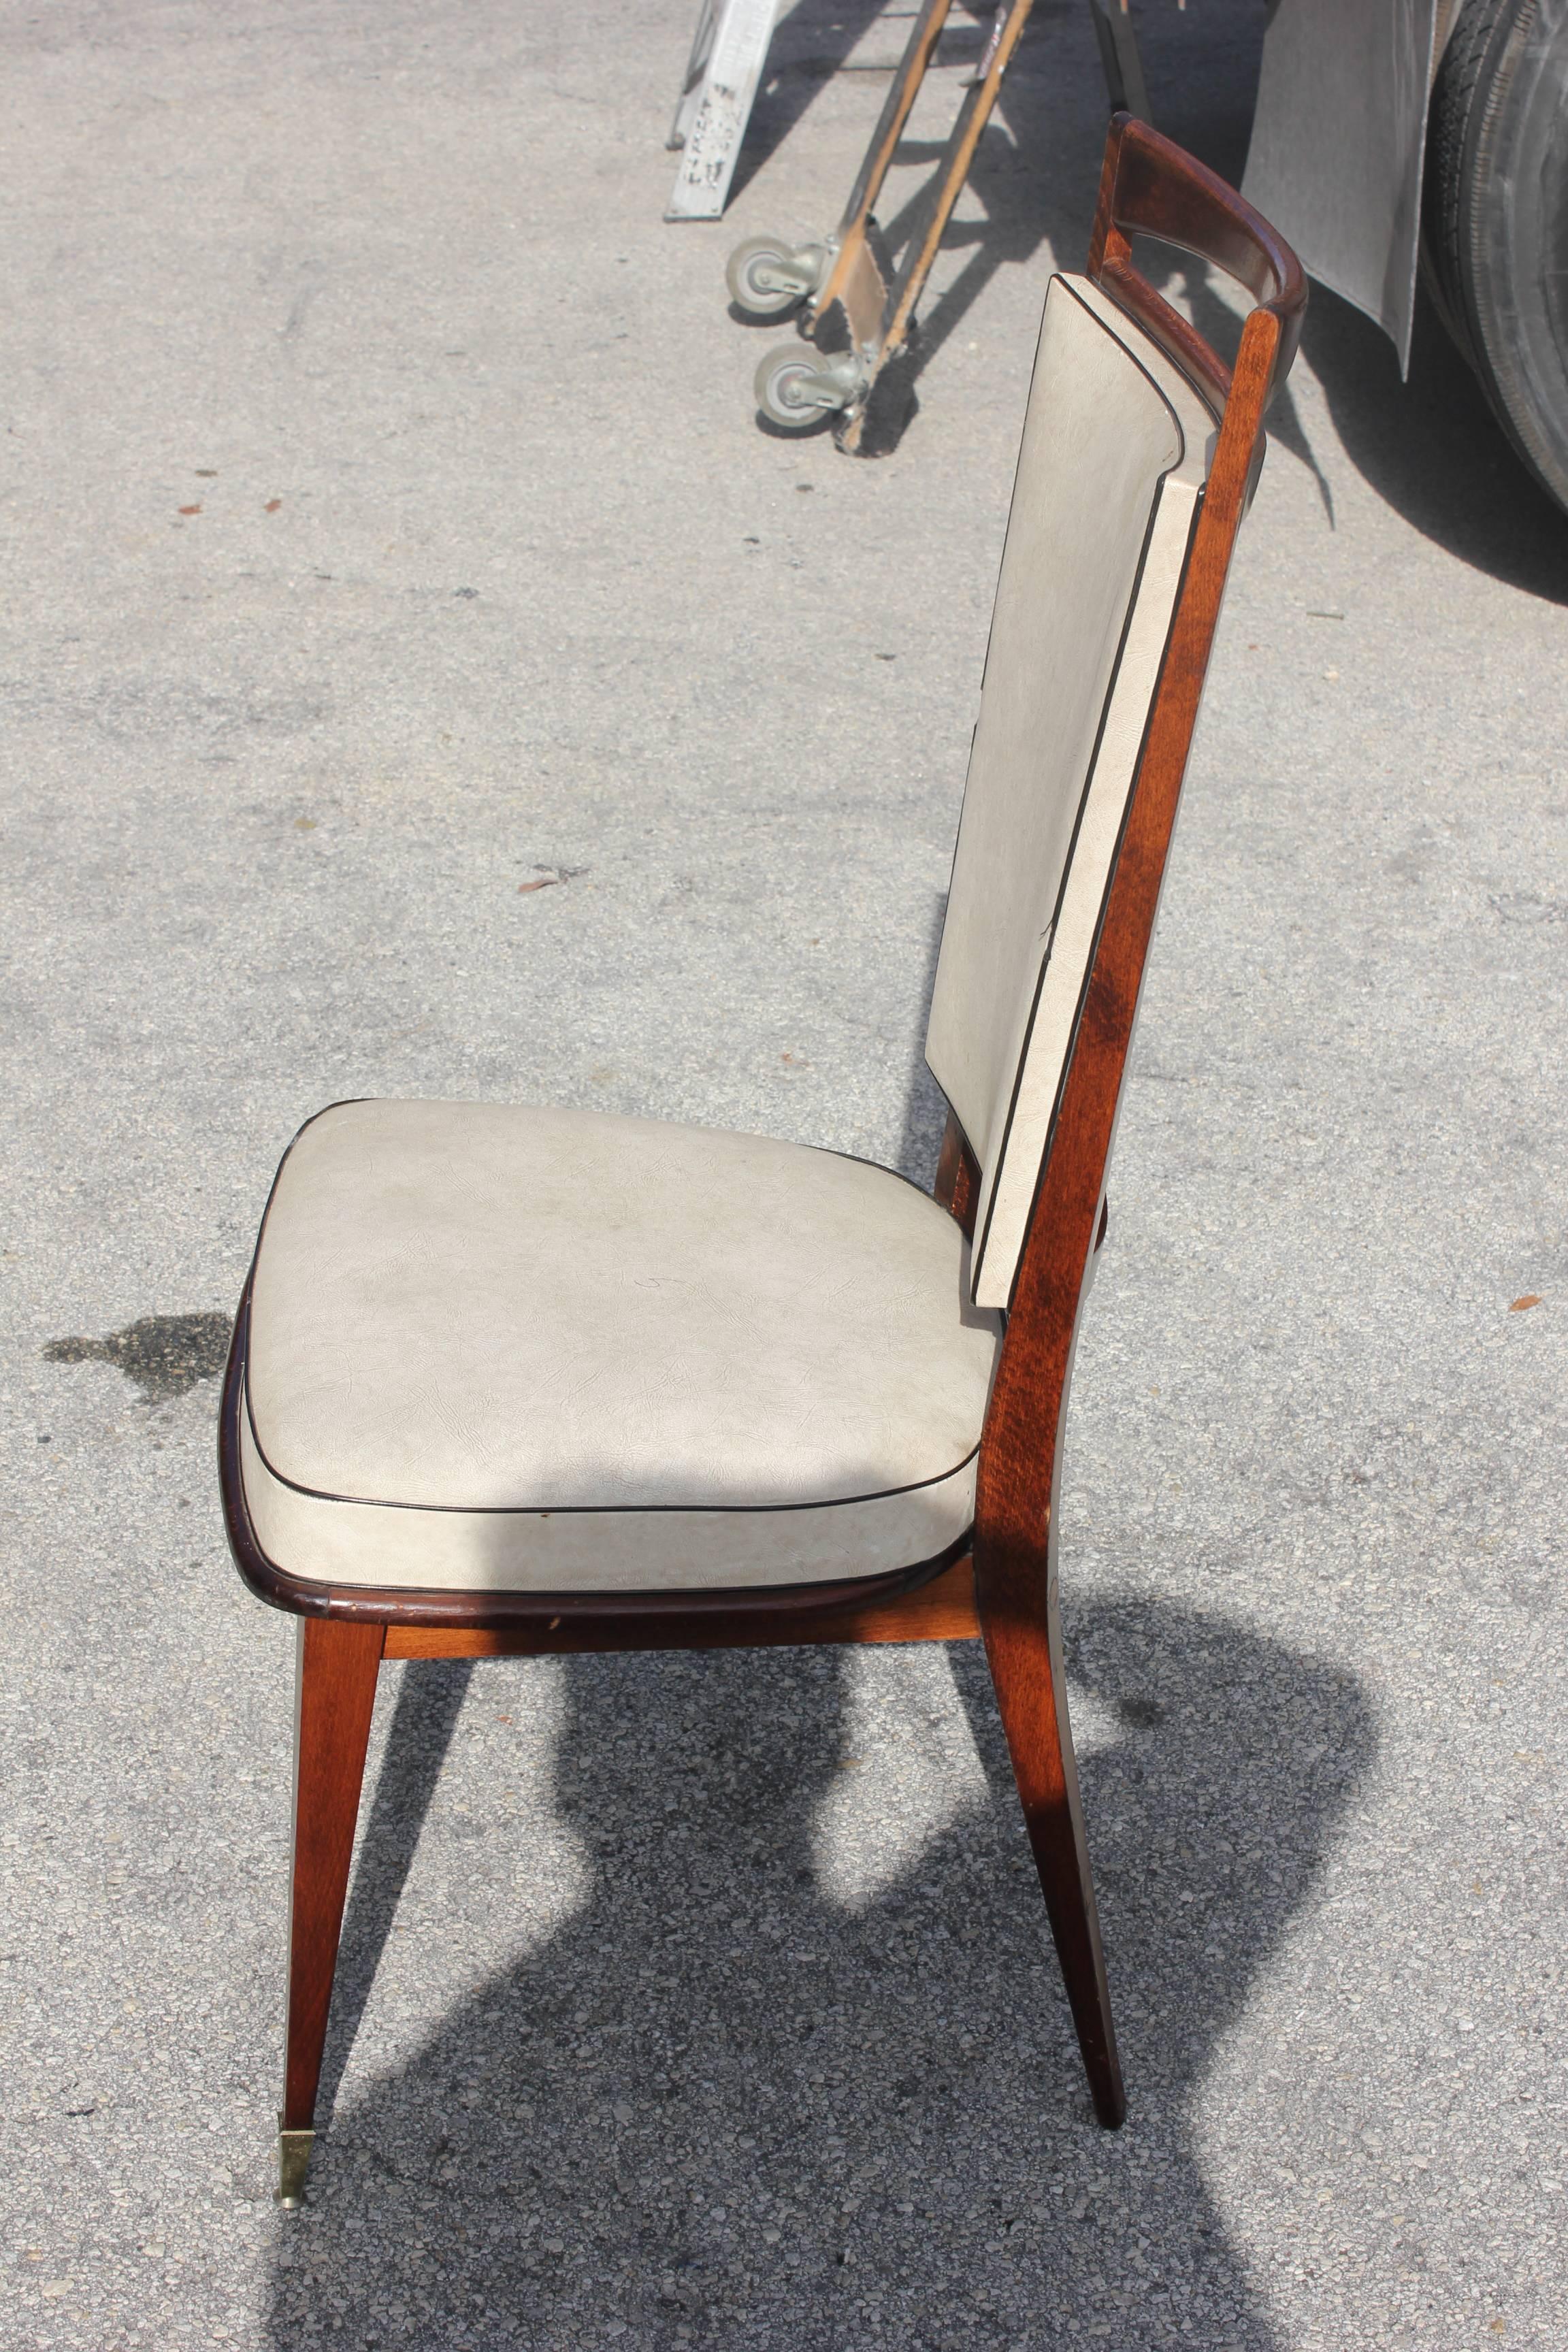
1337 143
716 104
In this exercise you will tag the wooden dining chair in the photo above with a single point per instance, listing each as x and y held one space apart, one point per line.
511 1380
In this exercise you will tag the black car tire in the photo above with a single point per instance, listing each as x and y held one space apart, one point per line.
1496 216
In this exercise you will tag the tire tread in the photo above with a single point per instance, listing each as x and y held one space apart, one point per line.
1481 306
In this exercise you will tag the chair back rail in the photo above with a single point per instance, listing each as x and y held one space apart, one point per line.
1150 185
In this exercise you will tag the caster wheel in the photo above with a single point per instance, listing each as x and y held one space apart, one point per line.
766 277
791 390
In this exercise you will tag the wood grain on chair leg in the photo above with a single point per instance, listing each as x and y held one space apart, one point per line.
334 1699
1023 1646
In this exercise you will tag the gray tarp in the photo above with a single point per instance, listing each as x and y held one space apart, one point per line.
1337 145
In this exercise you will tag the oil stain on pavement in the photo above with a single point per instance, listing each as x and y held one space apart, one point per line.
165 1355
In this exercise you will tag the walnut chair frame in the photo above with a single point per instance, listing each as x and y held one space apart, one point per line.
1000 1585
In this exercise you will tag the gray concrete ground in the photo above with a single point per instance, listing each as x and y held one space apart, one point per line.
387 523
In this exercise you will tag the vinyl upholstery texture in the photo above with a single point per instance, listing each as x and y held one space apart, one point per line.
500 1347
1114 454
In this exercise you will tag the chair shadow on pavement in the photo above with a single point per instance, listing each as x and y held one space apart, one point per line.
724 2102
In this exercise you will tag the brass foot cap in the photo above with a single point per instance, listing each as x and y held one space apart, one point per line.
293 2163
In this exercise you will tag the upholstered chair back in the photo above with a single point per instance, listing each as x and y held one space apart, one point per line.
1115 452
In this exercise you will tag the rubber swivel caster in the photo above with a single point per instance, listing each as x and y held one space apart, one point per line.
766 277
796 387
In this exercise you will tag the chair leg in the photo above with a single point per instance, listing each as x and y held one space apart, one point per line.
1024 1650
334 1698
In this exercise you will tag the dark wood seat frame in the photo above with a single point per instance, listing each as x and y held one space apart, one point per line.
1002 1590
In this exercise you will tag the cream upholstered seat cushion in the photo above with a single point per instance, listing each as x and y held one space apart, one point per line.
501 1347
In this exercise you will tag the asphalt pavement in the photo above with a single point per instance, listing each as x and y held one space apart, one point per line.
389 533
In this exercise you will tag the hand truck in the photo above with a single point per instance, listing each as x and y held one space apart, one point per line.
856 308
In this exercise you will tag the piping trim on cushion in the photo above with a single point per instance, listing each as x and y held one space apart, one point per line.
599 1510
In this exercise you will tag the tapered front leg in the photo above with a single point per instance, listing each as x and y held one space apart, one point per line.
1023 1644
334 1698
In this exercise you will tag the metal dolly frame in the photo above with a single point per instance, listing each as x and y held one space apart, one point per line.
857 308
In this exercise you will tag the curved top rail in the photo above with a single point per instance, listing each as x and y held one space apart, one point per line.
1150 186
